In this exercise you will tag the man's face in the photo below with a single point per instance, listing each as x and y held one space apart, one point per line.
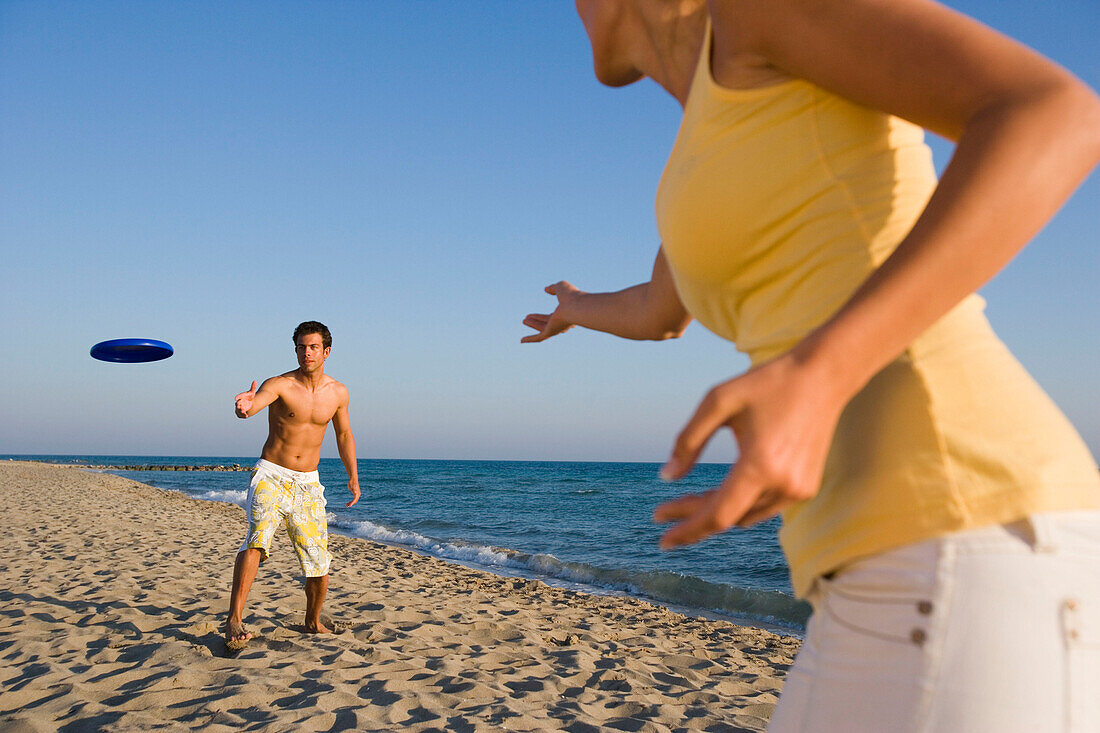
311 352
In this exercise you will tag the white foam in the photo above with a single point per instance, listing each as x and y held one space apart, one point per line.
231 496
455 551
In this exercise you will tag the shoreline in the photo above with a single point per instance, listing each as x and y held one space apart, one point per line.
115 592
702 595
774 627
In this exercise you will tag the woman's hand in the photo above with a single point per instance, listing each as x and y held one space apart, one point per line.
554 323
783 415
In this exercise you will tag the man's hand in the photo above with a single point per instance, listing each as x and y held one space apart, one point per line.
551 324
353 487
783 418
244 400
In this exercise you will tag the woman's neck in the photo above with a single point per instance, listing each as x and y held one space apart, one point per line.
667 41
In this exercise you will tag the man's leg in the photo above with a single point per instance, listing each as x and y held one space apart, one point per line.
264 511
315 596
244 572
308 531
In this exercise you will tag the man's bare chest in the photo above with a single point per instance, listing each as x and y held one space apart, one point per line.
307 409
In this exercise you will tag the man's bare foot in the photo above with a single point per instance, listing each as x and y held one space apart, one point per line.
236 636
317 628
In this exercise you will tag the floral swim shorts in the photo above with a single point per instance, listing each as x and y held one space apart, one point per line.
295 499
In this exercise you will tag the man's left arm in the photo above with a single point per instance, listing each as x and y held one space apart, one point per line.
345 444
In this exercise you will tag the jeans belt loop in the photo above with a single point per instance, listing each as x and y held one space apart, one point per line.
1043 529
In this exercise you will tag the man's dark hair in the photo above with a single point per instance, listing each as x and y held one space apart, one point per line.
313 327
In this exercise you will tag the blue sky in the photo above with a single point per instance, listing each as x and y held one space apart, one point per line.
411 174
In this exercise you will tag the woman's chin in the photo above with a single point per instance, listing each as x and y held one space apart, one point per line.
617 77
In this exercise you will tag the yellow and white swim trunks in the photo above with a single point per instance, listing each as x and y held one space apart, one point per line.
295 499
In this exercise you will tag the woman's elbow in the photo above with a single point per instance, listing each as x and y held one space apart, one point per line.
1090 122
1078 108
672 328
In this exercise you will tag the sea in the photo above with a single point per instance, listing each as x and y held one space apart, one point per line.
578 525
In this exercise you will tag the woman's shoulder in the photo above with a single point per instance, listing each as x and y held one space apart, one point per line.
733 64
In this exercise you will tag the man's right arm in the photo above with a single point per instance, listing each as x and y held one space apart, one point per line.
650 311
252 401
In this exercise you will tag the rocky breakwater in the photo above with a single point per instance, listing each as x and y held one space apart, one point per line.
230 467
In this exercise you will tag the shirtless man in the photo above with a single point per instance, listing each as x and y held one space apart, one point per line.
285 490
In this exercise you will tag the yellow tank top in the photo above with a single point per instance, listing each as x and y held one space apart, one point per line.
775 205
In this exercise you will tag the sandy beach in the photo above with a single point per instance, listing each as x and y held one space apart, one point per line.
113 594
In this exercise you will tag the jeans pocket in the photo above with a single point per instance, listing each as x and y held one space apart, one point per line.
873 606
1081 628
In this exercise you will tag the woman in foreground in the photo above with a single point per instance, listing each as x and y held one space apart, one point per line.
939 512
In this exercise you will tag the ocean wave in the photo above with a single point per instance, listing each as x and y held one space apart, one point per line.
454 550
231 496
665 587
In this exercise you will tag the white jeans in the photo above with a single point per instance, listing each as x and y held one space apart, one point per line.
995 629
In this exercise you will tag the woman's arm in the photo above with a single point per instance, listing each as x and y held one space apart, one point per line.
1027 134
649 311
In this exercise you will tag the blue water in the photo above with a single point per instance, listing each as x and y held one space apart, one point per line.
583 525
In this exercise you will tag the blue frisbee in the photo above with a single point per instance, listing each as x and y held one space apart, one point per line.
131 351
